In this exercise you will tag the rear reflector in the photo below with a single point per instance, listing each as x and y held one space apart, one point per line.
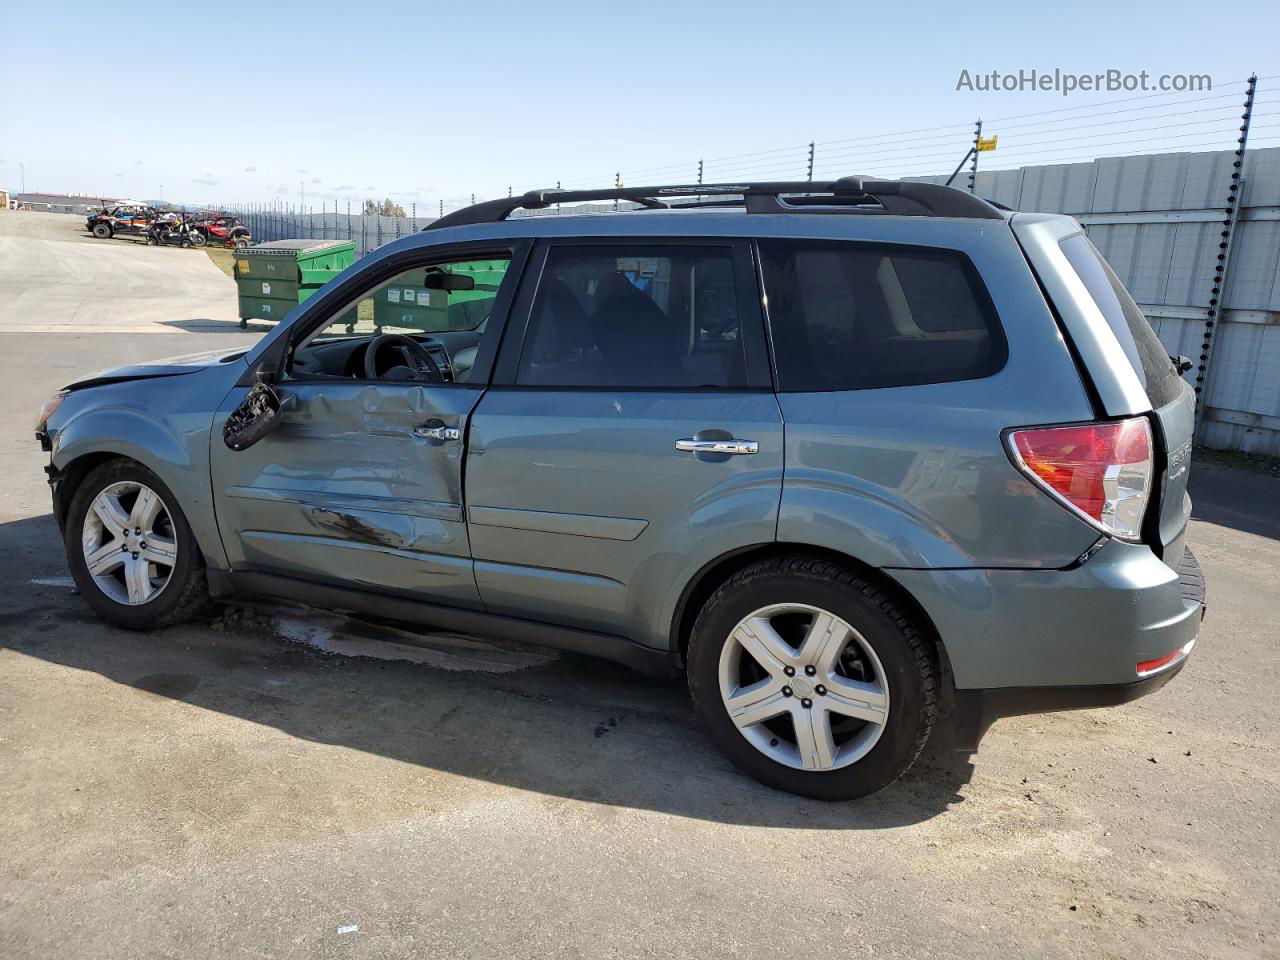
1147 667
1101 471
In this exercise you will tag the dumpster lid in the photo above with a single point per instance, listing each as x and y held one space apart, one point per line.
285 248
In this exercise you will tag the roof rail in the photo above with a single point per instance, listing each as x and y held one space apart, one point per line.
896 197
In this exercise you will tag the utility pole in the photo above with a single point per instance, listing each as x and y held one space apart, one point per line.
810 161
973 169
22 167
1218 292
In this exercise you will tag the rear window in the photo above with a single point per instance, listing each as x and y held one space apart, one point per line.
850 316
1147 355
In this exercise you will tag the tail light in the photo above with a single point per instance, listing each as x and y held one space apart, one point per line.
1102 471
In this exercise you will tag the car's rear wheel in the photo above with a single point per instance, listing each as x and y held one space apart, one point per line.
812 679
131 551
102 231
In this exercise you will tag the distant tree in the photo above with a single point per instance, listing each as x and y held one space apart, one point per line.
387 208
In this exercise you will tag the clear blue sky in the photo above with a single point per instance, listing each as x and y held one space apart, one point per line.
429 101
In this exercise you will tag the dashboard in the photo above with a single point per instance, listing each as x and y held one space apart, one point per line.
453 354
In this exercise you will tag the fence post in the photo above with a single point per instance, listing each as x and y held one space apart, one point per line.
1218 292
973 164
810 161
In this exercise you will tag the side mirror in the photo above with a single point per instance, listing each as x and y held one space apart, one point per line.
257 415
439 280
1181 363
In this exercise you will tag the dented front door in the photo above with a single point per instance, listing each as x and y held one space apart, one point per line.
360 485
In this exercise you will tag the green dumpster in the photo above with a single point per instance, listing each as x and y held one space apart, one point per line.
407 303
273 278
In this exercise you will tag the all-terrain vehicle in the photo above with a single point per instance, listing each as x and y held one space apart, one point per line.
227 231
122 219
174 231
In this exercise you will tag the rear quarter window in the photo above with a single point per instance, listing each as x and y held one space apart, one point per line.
853 316
1147 355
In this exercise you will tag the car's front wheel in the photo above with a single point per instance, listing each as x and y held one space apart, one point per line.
102 231
812 679
131 551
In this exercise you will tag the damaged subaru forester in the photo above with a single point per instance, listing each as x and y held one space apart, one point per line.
830 450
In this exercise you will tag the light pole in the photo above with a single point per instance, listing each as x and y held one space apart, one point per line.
22 168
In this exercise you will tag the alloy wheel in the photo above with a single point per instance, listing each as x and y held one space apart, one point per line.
803 687
129 543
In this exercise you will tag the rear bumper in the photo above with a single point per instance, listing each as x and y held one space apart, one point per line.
1116 628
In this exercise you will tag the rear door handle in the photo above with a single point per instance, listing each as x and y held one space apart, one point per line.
731 447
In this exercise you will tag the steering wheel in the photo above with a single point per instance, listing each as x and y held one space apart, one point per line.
417 363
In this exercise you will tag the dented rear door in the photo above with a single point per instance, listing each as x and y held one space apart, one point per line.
352 489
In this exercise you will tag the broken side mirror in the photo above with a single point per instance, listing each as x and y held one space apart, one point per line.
257 415
1183 364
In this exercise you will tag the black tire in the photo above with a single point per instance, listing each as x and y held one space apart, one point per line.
184 596
241 243
906 653
102 231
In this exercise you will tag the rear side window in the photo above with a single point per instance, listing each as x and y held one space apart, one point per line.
1147 355
846 316
635 316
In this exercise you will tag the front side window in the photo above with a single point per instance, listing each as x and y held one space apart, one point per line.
442 308
635 316
847 316
436 299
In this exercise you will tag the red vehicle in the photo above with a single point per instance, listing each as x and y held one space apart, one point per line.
229 231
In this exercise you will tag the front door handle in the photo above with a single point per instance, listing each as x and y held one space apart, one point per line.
731 447
430 431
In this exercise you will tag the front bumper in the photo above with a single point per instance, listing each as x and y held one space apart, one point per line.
1030 641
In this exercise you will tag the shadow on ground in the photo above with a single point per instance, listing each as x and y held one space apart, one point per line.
573 727
1243 500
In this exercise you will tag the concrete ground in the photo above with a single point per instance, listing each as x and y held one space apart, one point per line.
55 275
259 784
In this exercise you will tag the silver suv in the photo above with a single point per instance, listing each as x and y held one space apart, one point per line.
828 449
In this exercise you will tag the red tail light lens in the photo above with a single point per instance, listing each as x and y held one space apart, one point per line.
1102 471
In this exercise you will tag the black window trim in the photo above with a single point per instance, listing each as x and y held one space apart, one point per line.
985 301
751 328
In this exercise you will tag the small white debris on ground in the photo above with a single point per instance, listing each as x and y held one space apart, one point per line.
331 634
54 582
349 929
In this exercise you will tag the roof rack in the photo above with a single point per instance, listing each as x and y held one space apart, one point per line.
895 197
